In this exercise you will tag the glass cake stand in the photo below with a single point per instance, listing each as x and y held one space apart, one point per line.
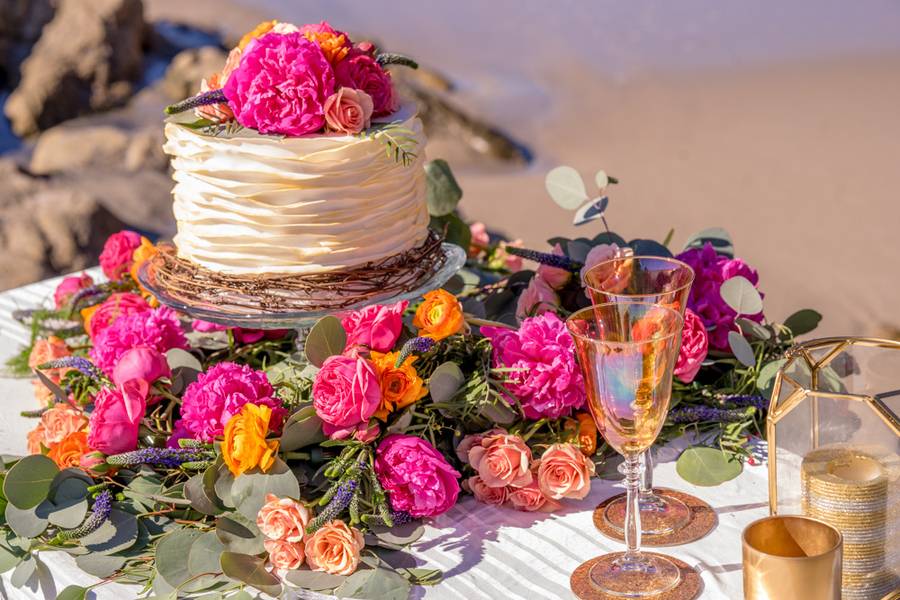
454 259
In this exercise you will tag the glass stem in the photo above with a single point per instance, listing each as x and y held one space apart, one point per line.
647 477
632 471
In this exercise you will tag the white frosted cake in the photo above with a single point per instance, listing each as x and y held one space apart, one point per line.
258 204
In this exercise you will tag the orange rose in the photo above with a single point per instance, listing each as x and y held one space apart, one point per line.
333 45
245 445
87 314
564 472
400 386
35 439
439 316
587 433
334 548
258 31
43 351
68 452
142 254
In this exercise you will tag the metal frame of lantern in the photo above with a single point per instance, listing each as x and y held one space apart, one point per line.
779 409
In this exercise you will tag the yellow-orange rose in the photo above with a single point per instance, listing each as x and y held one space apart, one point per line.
44 351
245 445
334 548
587 433
142 254
400 386
258 31
68 452
439 316
333 45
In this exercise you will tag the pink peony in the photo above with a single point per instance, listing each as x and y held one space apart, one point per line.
555 278
220 393
694 345
117 305
346 391
362 72
114 422
547 381
564 472
711 269
141 363
530 499
418 479
537 299
70 286
377 327
502 460
348 111
118 252
495 496
281 85
241 335
157 329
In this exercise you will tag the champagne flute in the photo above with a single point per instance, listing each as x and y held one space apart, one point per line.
627 351
654 280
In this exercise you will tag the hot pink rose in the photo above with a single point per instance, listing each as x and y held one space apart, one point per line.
564 472
118 253
282 519
117 305
70 286
418 479
484 493
362 72
555 278
280 85
537 299
531 499
502 460
348 111
284 555
141 363
377 327
694 346
114 421
346 391
361 432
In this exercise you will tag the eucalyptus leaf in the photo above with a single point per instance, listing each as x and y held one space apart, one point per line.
378 583
704 466
445 381
172 552
303 428
578 249
716 236
566 187
72 592
23 572
9 558
741 296
316 581
100 565
601 179
757 330
591 211
224 481
204 554
765 381
179 358
741 349
442 192
402 535
401 423
27 483
119 532
29 522
803 321
69 513
455 230
326 338
197 492
237 533
250 489
499 413
649 248
251 570
608 237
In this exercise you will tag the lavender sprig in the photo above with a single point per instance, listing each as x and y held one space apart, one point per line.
159 457
345 493
79 363
202 99
398 517
99 514
545 258
417 345
81 295
758 402
693 414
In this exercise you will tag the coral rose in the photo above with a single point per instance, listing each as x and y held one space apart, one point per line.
141 363
44 351
100 316
502 460
70 286
245 445
361 71
115 421
284 555
35 439
376 327
117 253
439 316
473 439
418 479
564 472
59 422
537 299
484 493
400 386
334 548
348 111
281 85
69 451
531 499
346 391
694 346
282 519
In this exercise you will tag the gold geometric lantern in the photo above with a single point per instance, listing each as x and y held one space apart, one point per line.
834 452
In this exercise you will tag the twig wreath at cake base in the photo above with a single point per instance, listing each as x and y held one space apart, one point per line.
175 278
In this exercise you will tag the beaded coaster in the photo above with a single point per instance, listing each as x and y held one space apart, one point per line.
688 588
703 520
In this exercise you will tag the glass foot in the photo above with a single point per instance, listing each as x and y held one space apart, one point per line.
661 514
634 577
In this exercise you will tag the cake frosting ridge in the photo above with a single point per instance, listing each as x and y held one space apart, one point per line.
254 204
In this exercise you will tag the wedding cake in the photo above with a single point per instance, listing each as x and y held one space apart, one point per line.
297 159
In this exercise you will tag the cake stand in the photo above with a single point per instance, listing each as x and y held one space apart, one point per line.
454 258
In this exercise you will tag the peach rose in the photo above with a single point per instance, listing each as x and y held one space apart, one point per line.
609 279
334 548
282 519
466 444
348 110
502 460
35 439
530 498
44 351
59 422
484 493
284 555
564 472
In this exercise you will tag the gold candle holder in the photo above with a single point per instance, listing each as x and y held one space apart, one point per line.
791 558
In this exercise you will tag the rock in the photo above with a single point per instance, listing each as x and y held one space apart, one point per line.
189 67
86 59
145 151
70 147
21 22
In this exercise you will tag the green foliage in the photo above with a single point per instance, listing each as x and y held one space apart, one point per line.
27 483
400 143
326 338
707 466
442 192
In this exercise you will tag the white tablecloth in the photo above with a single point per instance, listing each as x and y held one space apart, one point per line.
485 552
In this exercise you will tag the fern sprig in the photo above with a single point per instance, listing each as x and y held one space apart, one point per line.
400 143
